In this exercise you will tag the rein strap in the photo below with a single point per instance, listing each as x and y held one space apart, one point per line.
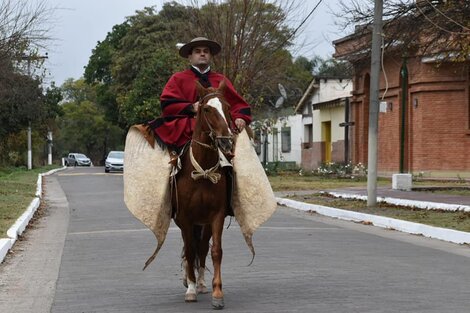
199 173
210 95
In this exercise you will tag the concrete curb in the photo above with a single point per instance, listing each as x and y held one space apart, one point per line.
5 246
20 224
445 234
405 202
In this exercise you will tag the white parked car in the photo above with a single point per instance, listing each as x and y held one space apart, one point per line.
114 161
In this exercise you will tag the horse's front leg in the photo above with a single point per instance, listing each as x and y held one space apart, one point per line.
190 256
216 253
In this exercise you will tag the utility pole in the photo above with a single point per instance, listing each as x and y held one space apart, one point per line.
374 105
49 148
30 58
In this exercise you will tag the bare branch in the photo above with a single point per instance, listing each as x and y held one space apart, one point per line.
23 27
421 27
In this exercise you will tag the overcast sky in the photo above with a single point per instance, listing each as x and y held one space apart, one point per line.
79 24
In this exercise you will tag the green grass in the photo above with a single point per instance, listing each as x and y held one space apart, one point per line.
290 181
17 190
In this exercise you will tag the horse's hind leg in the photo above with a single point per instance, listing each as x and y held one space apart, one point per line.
190 255
202 255
216 253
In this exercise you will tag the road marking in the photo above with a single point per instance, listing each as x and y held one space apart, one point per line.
116 231
91 174
177 229
299 228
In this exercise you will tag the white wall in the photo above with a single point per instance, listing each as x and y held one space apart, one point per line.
296 126
332 89
328 90
334 115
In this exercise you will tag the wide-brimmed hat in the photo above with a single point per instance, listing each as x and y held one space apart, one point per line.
198 42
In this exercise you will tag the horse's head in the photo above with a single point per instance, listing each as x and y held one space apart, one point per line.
214 117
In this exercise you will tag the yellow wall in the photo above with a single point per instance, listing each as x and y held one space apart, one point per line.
333 115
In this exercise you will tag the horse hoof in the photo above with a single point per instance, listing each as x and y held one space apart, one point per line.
217 303
190 297
202 289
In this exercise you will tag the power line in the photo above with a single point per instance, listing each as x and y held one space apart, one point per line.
293 33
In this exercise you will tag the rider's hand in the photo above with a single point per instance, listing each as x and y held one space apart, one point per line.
196 106
240 123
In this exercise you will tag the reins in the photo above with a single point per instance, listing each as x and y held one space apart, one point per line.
211 130
199 172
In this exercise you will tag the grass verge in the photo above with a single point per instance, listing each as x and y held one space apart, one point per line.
287 182
17 190
439 218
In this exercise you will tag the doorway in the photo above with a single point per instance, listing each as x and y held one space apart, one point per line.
326 138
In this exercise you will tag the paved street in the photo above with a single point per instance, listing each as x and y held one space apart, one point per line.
304 262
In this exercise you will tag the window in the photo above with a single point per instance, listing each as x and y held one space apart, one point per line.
285 139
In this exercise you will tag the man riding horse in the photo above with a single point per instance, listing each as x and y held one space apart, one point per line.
179 99
147 191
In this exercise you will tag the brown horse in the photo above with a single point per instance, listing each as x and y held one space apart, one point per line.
199 194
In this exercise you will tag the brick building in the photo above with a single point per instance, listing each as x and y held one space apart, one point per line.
424 121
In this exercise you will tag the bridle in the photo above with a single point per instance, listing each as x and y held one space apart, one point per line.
212 135
216 145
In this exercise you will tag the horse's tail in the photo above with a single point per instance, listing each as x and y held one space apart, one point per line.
196 243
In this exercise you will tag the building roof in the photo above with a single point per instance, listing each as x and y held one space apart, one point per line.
330 103
313 85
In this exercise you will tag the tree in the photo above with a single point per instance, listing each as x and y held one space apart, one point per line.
23 32
82 126
131 66
23 102
332 68
142 102
422 28
255 37
98 71
23 27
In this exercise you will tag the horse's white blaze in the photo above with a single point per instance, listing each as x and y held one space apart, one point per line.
191 287
215 103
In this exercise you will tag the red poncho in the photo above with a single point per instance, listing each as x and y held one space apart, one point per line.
175 127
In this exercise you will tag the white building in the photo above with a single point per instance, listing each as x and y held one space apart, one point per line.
312 135
281 141
324 108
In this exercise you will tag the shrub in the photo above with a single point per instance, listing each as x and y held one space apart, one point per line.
341 170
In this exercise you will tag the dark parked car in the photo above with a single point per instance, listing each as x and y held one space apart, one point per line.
114 161
77 159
